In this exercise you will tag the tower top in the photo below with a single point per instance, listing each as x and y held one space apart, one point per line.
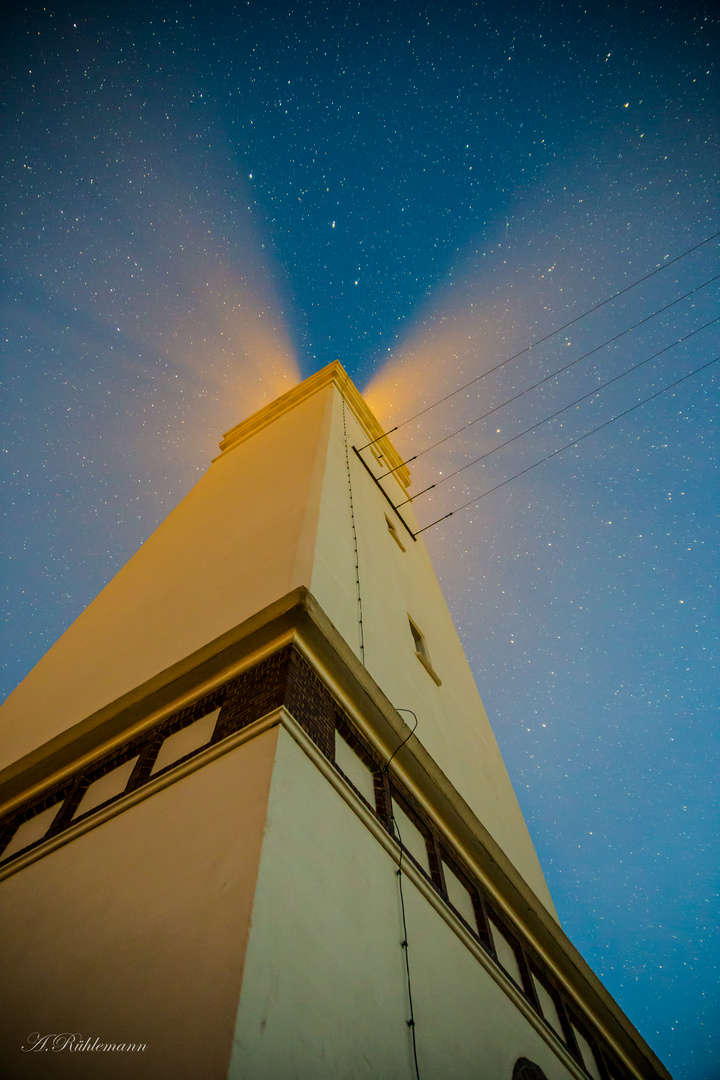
334 374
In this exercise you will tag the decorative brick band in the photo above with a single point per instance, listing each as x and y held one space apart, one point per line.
284 679
287 680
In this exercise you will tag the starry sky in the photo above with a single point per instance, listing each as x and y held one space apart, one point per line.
206 203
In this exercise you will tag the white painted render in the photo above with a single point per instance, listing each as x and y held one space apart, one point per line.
395 586
242 537
324 991
273 513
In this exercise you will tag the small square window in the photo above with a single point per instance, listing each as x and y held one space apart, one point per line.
419 640
421 651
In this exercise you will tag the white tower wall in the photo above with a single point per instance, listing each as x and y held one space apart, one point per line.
211 794
273 513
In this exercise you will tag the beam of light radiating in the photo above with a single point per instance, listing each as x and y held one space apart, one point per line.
164 322
584 232
145 317
167 296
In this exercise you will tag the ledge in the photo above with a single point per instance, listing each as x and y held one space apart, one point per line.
298 618
332 374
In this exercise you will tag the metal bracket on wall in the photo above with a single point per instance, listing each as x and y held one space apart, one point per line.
410 533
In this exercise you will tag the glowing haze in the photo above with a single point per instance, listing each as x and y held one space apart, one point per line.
207 203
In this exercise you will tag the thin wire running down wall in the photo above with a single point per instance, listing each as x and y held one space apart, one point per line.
354 532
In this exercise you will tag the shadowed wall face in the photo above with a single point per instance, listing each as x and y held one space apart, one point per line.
135 932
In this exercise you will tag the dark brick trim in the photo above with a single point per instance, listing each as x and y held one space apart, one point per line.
440 851
283 679
286 679
69 793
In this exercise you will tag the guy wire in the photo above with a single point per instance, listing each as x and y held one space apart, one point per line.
568 445
547 337
545 379
590 393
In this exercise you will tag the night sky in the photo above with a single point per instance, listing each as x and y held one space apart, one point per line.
205 203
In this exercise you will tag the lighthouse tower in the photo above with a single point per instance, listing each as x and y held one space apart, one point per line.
255 823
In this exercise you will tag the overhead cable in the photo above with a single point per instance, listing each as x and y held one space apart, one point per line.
568 445
590 393
547 337
545 379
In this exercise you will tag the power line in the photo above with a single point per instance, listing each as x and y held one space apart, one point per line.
590 393
545 379
568 445
547 337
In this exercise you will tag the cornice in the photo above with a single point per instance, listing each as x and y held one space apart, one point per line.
332 375
298 618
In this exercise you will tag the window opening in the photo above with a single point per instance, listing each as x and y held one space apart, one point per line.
419 640
31 831
505 950
410 836
354 768
106 787
459 896
548 1007
394 533
587 1055
185 741
421 651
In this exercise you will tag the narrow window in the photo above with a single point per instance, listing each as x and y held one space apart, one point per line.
549 1008
459 896
421 651
420 646
354 769
505 952
394 533
587 1055
410 836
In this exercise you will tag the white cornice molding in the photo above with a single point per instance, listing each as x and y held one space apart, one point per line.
333 374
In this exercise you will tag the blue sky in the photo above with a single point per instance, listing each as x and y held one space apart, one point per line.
204 205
